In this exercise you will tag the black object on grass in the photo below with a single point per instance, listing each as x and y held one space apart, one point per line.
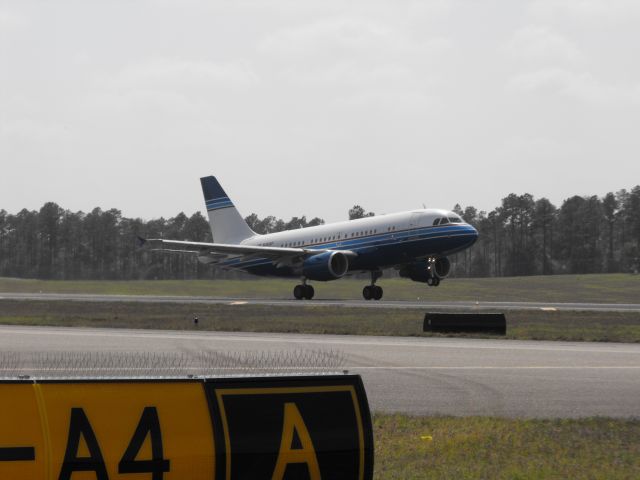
495 323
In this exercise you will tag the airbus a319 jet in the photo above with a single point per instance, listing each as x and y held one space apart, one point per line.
415 242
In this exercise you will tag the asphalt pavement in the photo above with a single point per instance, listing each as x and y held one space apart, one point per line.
426 376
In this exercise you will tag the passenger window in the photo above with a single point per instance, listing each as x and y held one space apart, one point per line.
436 222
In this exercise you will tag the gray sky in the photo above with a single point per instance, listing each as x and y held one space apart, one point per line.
303 107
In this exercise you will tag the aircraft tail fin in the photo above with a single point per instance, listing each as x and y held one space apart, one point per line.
227 225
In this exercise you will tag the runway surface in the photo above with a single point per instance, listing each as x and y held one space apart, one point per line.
458 306
426 376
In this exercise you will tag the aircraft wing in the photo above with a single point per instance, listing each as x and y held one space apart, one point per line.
217 252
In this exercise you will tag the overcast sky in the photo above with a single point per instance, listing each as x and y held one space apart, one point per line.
303 107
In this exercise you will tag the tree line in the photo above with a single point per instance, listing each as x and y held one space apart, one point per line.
528 236
522 236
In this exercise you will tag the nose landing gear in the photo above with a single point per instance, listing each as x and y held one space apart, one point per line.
434 279
373 291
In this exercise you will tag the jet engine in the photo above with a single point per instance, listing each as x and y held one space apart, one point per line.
441 267
426 271
325 266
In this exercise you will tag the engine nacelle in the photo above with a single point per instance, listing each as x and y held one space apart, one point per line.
441 267
420 271
417 272
325 266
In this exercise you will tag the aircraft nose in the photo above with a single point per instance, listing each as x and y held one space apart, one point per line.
474 234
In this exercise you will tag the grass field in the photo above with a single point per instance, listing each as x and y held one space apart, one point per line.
494 448
536 325
610 288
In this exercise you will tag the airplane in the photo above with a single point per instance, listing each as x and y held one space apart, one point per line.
416 243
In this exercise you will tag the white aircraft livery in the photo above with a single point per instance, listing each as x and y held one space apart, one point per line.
415 242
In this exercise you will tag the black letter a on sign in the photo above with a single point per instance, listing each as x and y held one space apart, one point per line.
79 426
149 424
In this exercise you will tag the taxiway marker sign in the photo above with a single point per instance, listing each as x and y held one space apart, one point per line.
266 427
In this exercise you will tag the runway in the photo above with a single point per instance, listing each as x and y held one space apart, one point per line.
425 376
451 305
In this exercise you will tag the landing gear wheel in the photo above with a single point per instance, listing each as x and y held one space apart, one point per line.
367 292
433 281
308 292
377 292
299 291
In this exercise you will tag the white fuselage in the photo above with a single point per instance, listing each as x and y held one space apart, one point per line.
342 232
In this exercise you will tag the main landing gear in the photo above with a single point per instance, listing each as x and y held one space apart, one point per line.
303 291
373 291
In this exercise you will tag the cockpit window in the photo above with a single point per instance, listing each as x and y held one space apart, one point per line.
444 220
436 222
455 219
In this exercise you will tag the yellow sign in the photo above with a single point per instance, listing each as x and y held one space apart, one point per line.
21 439
271 428
123 428
106 431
